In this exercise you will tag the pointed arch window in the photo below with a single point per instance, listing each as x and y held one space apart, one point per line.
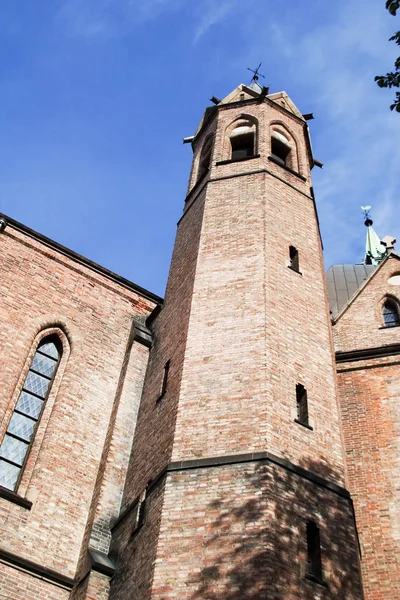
390 314
21 430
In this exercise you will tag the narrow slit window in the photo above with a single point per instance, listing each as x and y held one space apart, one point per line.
302 404
294 258
141 511
21 430
164 384
390 314
314 562
242 145
280 151
141 515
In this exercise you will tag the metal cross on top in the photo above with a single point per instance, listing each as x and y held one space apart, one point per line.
256 73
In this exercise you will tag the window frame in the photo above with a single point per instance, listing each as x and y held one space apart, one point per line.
302 407
294 259
314 570
47 337
390 302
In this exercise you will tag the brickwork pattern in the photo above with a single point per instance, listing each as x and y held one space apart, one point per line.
95 586
369 393
256 327
17 585
135 551
236 532
241 330
152 445
40 289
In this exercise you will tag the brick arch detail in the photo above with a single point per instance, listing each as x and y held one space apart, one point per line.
245 117
381 303
296 163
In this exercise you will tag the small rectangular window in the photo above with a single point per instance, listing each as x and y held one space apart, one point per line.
294 258
141 511
302 404
314 563
164 384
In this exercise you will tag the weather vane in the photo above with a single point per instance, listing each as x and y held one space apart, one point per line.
367 217
256 73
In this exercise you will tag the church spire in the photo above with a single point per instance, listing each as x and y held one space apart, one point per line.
375 251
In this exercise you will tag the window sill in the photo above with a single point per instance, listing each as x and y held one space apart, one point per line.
235 160
295 270
390 326
276 162
314 579
7 494
304 424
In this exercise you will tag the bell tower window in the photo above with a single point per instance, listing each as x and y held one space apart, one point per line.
280 151
283 150
242 144
242 139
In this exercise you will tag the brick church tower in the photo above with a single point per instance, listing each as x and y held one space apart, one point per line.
236 487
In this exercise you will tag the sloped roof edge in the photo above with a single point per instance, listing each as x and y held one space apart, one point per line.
363 286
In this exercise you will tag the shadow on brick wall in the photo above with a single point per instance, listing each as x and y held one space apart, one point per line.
256 546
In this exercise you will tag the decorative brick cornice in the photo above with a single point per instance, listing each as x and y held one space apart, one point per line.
368 353
234 459
78 258
36 569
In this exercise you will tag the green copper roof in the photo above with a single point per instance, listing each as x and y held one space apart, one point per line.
375 252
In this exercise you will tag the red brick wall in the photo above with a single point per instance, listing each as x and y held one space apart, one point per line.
239 531
95 586
369 393
241 330
42 288
152 445
17 585
256 327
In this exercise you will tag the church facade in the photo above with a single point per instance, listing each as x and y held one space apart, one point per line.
238 439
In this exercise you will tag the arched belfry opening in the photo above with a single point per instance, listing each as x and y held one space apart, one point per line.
242 135
283 147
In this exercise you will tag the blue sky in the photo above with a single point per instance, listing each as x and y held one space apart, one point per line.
97 95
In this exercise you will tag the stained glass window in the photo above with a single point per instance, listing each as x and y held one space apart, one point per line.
22 427
390 314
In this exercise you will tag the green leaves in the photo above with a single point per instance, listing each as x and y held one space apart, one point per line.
392 79
393 6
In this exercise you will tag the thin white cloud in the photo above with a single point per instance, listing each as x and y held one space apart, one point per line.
213 12
358 135
107 18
